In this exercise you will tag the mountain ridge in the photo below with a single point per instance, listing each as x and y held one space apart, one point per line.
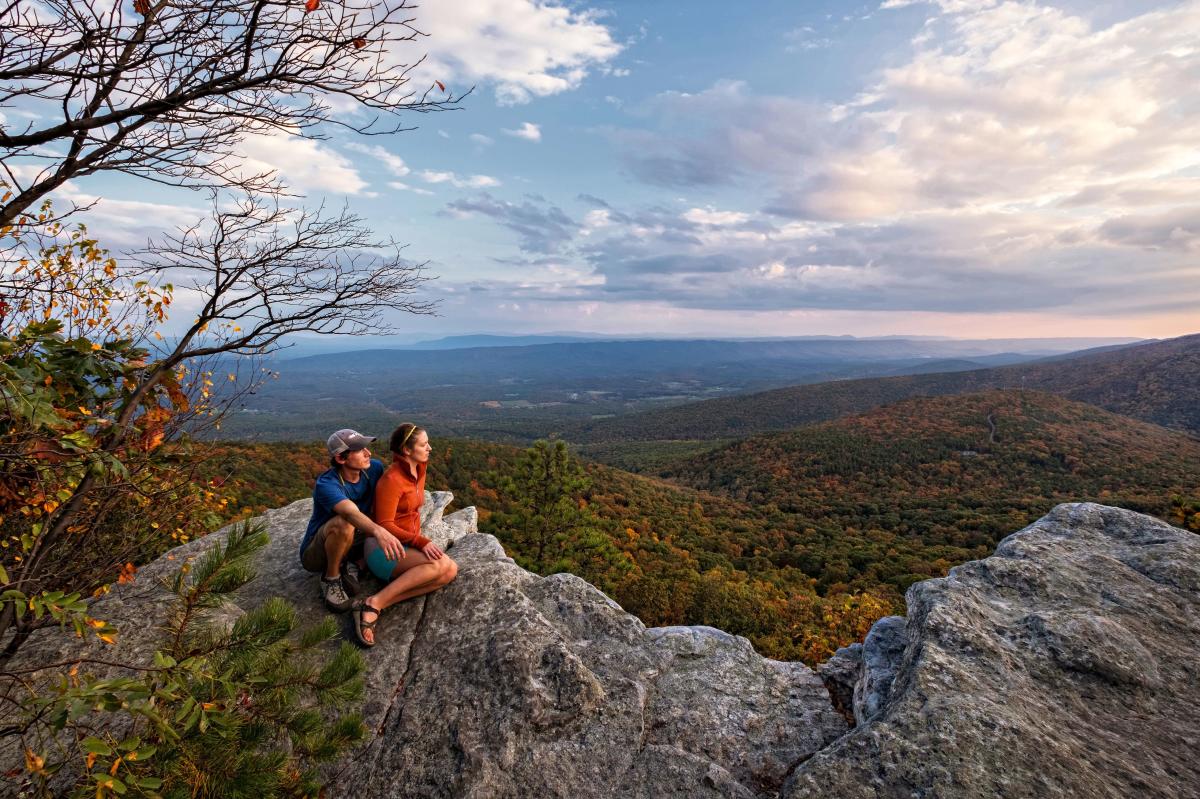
1158 382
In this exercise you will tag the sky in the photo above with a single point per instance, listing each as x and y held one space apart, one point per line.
967 168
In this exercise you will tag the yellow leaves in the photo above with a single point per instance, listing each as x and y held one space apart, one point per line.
108 638
127 573
34 763
49 506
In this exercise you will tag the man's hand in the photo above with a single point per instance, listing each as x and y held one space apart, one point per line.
390 545
433 551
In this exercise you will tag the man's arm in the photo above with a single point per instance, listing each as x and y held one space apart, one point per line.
389 543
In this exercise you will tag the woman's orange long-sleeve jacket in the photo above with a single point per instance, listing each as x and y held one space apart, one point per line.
398 500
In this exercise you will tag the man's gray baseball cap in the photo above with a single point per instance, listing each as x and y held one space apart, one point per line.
347 440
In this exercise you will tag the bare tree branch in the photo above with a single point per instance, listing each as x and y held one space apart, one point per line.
170 94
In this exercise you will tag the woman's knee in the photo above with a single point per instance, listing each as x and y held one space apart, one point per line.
449 569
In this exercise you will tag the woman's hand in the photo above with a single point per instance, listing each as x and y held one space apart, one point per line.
433 551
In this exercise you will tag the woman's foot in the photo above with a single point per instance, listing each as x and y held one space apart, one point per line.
366 616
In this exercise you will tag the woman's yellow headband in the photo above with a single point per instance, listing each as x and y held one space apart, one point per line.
408 435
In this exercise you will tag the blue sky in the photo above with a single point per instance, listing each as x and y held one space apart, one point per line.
965 168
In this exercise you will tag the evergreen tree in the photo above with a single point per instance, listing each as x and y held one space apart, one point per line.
552 528
241 710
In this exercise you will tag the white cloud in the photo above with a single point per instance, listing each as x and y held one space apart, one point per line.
481 140
1019 160
304 164
1016 103
459 182
394 163
524 48
805 38
710 216
527 131
1020 154
128 224
401 186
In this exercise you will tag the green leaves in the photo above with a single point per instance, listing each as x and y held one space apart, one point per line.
95 746
77 441
204 717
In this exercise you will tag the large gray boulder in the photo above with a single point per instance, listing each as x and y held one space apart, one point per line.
1065 665
506 684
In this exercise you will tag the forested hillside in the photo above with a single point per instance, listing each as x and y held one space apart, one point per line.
800 540
941 480
1157 382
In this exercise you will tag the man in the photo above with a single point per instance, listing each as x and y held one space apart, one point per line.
342 500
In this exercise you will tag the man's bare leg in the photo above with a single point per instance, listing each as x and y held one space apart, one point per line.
339 536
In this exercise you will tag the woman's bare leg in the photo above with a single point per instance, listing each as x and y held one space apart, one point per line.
413 576
415 579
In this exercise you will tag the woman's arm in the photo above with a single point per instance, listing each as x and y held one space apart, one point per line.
387 499
387 502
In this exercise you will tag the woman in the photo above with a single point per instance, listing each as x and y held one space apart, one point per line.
423 566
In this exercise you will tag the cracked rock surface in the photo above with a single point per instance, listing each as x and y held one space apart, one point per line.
1065 665
506 684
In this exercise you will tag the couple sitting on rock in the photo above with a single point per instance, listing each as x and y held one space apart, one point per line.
359 507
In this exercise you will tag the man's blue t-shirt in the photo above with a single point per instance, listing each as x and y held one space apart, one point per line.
331 489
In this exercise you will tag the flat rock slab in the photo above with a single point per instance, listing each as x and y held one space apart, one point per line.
506 684
1066 665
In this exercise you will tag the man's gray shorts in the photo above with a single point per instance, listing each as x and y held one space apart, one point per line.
314 558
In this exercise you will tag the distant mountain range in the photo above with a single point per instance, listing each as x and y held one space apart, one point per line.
305 348
519 393
1157 382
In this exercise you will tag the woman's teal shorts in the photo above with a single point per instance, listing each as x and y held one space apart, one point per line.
379 563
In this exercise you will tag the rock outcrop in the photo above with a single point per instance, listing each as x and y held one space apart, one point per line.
1064 665
506 684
